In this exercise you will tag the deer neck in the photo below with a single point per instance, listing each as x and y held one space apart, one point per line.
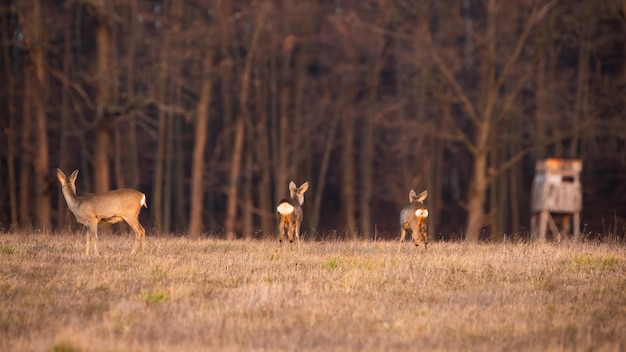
298 198
69 193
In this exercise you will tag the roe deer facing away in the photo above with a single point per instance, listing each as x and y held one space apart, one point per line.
413 218
109 207
290 212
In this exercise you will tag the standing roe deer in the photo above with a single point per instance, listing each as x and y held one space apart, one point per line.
413 218
290 212
109 207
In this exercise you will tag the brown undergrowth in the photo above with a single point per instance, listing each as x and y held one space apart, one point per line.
209 294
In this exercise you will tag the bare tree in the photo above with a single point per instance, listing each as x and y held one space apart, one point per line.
197 191
31 22
240 125
374 67
66 125
9 122
102 12
263 156
488 108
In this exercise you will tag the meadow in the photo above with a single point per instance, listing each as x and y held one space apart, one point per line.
260 295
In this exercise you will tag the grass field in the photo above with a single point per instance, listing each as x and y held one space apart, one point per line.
184 295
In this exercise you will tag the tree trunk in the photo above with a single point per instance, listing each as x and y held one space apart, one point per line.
173 197
63 212
496 208
248 195
476 197
231 207
286 141
435 203
323 171
581 110
348 184
367 133
131 156
303 138
161 206
30 95
237 154
118 163
157 185
226 72
30 20
26 156
181 202
478 184
168 171
42 157
197 166
11 125
102 181
541 111
515 185
263 157
366 173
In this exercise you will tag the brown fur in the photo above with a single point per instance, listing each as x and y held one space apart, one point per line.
290 223
409 221
109 207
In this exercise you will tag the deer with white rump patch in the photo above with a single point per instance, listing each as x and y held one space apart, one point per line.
413 218
109 207
290 212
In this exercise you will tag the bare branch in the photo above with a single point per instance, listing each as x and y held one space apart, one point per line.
468 107
74 85
535 17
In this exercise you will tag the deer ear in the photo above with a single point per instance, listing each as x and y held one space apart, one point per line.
422 196
303 188
412 196
73 176
292 187
60 175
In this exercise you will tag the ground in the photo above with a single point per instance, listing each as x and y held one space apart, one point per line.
213 294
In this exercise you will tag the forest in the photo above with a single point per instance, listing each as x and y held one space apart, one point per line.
211 108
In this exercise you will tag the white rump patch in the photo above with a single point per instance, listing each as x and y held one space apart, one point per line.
143 201
421 213
285 208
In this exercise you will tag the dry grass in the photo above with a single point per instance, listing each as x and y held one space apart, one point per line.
218 295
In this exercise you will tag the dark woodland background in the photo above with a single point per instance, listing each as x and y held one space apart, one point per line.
212 107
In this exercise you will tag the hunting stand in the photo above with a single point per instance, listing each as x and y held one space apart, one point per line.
556 191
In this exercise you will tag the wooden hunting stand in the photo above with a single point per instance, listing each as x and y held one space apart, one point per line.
557 191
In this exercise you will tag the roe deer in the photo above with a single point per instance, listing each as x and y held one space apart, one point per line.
413 218
290 212
109 207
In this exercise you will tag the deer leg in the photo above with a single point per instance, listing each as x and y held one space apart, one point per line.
290 228
402 235
281 228
140 235
87 240
95 239
137 240
425 239
415 232
143 237
297 230
93 236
